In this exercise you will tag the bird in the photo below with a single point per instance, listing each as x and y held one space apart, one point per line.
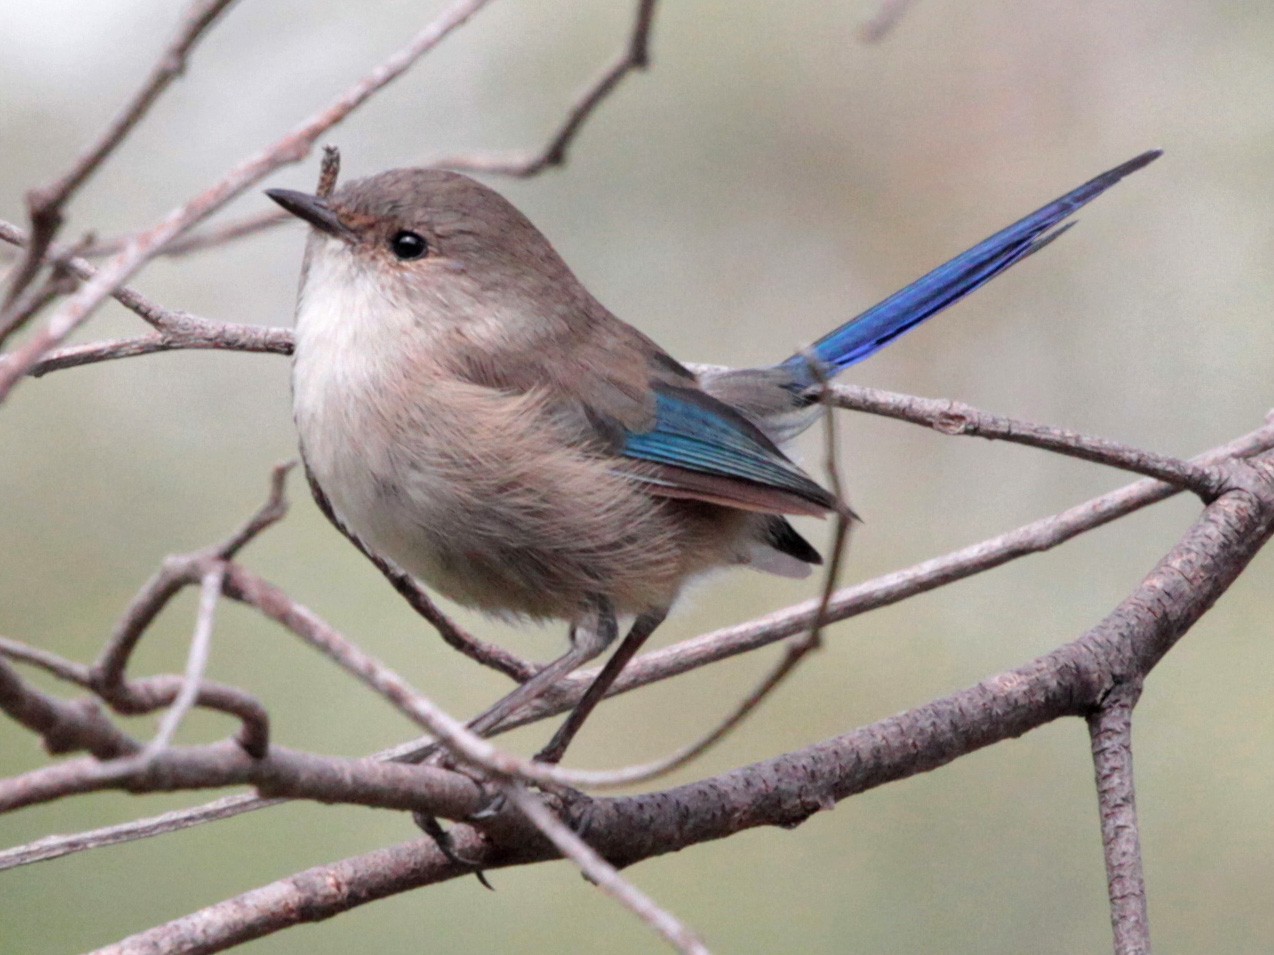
470 412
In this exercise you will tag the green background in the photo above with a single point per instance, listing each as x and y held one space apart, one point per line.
769 177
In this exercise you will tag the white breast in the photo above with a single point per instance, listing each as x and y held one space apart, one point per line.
347 386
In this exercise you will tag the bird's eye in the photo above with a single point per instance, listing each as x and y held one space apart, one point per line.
408 245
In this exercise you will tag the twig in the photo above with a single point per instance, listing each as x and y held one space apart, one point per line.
59 667
281 772
957 418
45 204
178 571
197 335
1110 728
29 302
203 239
176 330
54 847
293 147
196 663
267 515
634 56
604 875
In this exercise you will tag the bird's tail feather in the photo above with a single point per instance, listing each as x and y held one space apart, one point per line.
875 328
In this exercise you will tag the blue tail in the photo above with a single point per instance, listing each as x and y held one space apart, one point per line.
875 328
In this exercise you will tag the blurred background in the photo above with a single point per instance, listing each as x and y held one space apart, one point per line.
768 177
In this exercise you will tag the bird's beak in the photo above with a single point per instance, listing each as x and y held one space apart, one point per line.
315 210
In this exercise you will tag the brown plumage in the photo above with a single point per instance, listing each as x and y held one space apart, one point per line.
464 413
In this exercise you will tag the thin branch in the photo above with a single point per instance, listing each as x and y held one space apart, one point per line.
54 847
634 56
454 734
281 772
267 515
604 875
957 418
175 329
197 335
1110 728
34 298
178 571
203 239
196 663
51 663
293 147
45 204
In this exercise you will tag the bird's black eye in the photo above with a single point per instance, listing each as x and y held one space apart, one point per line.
408 245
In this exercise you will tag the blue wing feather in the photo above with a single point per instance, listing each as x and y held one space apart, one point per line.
694 431
875 328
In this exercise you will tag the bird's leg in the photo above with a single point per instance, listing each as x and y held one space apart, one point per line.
642 628
589 637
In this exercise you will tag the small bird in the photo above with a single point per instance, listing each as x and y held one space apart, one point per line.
468 411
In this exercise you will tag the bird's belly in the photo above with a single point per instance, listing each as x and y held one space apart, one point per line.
528 529
414 517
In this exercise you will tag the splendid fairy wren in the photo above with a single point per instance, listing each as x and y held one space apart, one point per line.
471 413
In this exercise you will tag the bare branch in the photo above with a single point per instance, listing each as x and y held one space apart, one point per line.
282 772
59 667
176 330
45 204
293 147
957 418
1110 727
270 513
197 335
196 663
198 241
634 56
54 847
